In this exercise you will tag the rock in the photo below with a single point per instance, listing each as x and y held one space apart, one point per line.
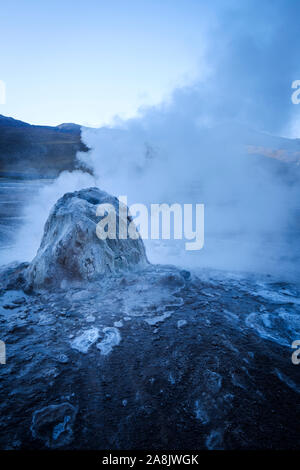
12 275
185 274
70 249
19 301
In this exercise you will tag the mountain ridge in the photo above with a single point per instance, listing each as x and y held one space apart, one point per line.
28 150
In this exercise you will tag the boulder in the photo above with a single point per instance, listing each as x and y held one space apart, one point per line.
71 250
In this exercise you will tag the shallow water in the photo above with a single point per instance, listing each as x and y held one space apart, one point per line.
15 195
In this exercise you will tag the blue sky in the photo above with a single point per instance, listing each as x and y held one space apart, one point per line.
87 61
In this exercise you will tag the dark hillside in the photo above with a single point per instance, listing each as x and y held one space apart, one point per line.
43 151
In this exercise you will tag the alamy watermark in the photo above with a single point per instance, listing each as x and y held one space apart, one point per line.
2 92
296 354
154 222
2 353
296 94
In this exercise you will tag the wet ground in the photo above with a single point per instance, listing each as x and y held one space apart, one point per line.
158 359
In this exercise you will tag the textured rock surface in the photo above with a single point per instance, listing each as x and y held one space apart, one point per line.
70 249
160 358
107 367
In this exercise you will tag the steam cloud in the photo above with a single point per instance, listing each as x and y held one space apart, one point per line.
193 147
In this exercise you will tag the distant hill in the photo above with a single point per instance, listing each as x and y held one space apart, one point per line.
38 151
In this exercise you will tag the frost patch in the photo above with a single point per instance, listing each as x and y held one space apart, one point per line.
289 382
83 342
111 339
171 378
284 297
158 319
181 323
53 424
280 327
90 318
214 440
201 413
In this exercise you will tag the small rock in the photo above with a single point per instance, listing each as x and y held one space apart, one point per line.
19 301
185 274
62 358
90 318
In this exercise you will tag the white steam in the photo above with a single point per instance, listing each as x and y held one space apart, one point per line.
166 156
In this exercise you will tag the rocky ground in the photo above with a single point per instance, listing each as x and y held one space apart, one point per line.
105 351
151 359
